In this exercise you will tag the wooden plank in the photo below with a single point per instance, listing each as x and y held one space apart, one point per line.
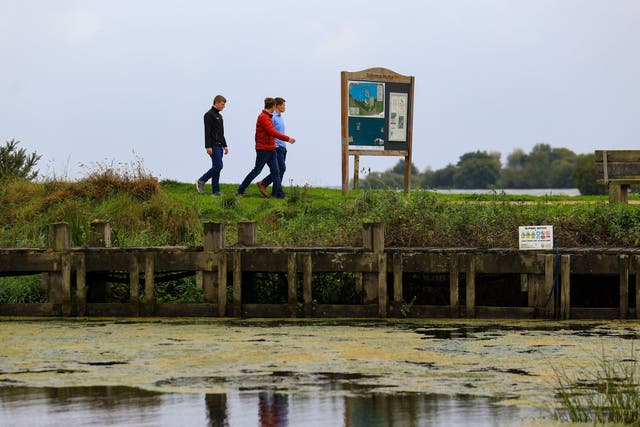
471 288
565 287
617 155
237 284
397 284
292 276
81 285
307 271
636 268
382 285
33 309
594 313
221 283
624 286
486 312
134 285
454 297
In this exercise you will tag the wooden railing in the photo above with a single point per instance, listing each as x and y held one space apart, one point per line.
545 277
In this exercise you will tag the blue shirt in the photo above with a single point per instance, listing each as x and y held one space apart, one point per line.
278 123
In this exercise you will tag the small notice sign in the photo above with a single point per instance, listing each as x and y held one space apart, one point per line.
535 237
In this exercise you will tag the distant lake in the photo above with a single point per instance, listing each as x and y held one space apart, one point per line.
514 191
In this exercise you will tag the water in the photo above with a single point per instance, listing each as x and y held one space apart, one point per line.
212 372
123 406
515 191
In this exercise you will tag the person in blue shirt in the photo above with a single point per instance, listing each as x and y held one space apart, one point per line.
281 146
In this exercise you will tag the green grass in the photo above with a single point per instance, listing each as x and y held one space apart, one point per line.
607 393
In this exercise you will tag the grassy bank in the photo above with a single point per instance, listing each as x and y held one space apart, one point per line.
144 212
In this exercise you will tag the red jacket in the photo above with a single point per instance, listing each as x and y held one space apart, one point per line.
265 133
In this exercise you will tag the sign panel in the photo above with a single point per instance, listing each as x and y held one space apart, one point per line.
398 116
535 237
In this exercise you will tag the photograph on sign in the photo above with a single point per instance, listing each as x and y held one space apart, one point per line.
398 116
535 237
366 99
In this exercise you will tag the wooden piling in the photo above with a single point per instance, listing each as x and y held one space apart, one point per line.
565 287
59 280
307 298
397 285
471 287
624 285
454 296
292 275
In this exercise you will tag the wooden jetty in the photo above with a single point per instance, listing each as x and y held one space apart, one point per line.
483 283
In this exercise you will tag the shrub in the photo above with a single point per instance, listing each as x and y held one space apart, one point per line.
16 163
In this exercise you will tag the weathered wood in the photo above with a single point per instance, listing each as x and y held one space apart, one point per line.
619 169
81 285
565 287
624 286
307 271
471 287
454 295
148 299
292 275
134 285
221 284
247 233
484 312
635 264
548 303
397 284
100 234
382 285
373 241
237 284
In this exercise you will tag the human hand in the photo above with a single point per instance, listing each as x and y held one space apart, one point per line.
209 150
292 140
226 150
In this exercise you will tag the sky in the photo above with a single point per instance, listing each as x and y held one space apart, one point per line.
93 83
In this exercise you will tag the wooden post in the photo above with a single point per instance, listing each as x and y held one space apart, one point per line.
397 284
373 241
624 285
548 294
382 285
59 281
454 297
292 275
618 193
215 285
471 287
636 269
356 171
134 285
237 284
81 285
247 233
100 234
99 237
565 287
307 271
148 300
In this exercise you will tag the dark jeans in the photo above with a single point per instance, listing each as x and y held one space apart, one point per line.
269 158
281 157
214 172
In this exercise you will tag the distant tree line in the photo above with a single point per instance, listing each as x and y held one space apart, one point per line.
543 167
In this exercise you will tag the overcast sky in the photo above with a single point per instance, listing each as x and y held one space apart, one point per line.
89 82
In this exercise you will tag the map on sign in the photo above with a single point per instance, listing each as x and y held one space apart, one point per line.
366 99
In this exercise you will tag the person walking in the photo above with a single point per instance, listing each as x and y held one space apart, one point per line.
215 144
266 150
281 146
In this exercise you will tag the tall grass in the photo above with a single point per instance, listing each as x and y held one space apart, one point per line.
610 393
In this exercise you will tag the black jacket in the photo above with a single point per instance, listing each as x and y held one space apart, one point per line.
213 129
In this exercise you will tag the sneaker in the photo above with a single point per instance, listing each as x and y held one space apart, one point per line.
262 188
281 198
240 195
218 194
200 186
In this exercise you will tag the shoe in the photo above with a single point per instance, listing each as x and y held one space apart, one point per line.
262 188
240 195
218 194
281 198
200 186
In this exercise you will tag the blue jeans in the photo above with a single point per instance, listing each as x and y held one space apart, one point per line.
281 157
214 172
269 158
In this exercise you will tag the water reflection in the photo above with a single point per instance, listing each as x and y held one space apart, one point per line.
124 406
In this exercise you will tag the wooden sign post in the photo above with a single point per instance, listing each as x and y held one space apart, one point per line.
377 119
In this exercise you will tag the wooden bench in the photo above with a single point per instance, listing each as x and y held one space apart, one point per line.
619 169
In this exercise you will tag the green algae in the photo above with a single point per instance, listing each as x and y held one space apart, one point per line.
513 362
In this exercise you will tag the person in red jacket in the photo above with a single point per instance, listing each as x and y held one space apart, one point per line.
266 151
